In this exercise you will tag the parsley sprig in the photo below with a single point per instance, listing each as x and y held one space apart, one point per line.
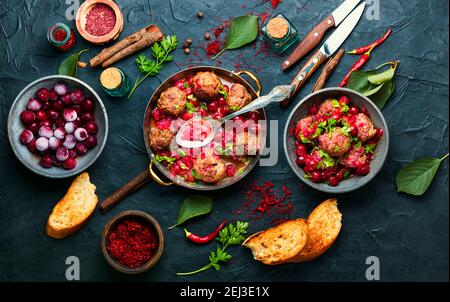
161 54
232 234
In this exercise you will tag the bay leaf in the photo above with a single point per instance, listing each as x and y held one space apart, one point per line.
193 206
69 66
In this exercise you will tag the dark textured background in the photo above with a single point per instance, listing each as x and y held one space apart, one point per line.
408 234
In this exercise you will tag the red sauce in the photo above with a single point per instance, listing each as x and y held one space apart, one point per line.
100 20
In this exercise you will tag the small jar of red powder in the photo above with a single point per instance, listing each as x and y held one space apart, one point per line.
61 37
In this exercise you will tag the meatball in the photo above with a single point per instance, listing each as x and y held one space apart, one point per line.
306 127
206 85
209 169
365 127
328 107
160 139
238 97
335 143
246 144
172 101
354 158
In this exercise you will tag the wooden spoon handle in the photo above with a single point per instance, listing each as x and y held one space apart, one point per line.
121 193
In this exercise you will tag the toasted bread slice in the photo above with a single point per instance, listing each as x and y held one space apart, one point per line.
279 244
74 209
324 224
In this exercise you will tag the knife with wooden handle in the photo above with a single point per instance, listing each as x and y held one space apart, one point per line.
313 38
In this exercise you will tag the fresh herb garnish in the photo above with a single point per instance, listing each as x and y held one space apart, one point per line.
186 85
335 103
164 158
161 54
190 107
370 148
181 152
326 160
203 106
232 234
234 108
224 93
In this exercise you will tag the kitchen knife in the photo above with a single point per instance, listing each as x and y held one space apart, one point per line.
313 38
327 49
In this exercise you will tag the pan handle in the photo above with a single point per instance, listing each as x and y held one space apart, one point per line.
252 76
134 184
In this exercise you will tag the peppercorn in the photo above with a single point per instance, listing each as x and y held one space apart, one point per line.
187 50
200 15
207 36
187 43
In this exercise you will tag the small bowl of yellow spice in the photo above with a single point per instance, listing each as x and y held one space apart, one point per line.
115 82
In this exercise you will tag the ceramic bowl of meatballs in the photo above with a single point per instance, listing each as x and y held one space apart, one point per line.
336 140
195 96
57 126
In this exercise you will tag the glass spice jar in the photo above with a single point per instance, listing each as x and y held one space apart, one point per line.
279 33
115 82
61 37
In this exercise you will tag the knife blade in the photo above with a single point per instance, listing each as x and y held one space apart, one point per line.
313 38
328 48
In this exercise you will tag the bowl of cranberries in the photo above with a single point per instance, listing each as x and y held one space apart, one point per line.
336 140
57 126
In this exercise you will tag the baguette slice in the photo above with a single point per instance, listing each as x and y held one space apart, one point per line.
279 244
324 224
74 209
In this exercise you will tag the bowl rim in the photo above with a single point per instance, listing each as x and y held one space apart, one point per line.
336 190
112 222
75 171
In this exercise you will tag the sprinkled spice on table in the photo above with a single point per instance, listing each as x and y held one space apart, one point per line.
100 20
132 243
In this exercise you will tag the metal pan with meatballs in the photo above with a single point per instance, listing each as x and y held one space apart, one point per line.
335 141
206 95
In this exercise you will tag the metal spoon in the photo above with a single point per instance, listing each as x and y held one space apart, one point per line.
278 94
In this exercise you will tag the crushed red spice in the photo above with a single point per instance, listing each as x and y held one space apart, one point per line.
131 243
59 35
100 20
261 201
213 48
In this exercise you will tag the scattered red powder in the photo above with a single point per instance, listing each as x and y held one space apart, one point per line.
131 243
275 3
100 20
213 48
262 201
59 35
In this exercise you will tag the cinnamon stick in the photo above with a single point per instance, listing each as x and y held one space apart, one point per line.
328 70
129 45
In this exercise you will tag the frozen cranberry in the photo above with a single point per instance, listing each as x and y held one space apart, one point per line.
87 117
81 149
313 109
32 146
186 116
340 176
254 116
87 105
54 143
308 169
316 176
226 88
56 162
70 114
80 134
188 91
157 115
379 134
46 106
77 96
336 116
91 127
57 105
46 131
217 116
212 107
41 116
333 181
46 161
34 127
69 127
364 169
73 153
180 84
42 95
353 110
194 102
59 133
300 161
310 162
344 100
301 150
221 101
69 141
60 122
90 142
42 144
176 169
52 95
26 136
353 131
238 119
223 110
230 169
27 117
66 99
77 109
69 163
33 105
52 114
60 88
45 124
203 112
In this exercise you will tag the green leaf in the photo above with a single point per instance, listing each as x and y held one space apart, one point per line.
416 177
193 206
381 97
373 91
359 80
69 66
380 78
243 30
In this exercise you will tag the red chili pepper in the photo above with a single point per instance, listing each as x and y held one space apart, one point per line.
356 66
199 239
363 49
